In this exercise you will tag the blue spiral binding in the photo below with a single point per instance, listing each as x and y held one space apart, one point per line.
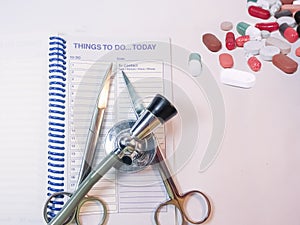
56 117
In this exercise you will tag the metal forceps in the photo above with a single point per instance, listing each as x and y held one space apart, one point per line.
89 153
176 199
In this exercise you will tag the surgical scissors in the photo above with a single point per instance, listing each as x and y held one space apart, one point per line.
159 111
176 199
89 153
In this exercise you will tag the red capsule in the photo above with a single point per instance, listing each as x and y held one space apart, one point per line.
230 41
240 41
254 64
271 26
288 33
259 12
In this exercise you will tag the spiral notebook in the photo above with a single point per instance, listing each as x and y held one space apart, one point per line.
76 69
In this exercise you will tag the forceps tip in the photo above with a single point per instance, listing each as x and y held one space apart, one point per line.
125 77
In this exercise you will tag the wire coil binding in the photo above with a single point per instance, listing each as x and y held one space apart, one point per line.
56 118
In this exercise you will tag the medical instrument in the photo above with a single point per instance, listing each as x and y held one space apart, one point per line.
90 149
95 126
136 100
176 199
159 111
180 201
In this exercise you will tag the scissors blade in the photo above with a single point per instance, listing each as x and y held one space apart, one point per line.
136 100
95 127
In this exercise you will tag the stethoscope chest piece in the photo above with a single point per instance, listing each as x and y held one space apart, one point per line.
136 153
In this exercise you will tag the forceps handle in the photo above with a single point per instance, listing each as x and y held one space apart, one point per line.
103 167
91 144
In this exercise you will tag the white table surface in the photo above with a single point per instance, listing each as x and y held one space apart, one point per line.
255 178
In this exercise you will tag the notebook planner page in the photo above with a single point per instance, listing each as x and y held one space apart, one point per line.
123 192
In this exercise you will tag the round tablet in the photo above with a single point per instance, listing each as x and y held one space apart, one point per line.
284 46
267 52
265 34
226 26
252 47
254 33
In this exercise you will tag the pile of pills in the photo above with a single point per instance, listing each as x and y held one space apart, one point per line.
276 16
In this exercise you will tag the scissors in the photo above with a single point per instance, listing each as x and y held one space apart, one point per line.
179 201
89 153
159 111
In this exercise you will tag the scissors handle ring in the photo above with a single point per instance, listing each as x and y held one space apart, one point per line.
75 214
169 202
206 202
179 202
92 199
55 195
